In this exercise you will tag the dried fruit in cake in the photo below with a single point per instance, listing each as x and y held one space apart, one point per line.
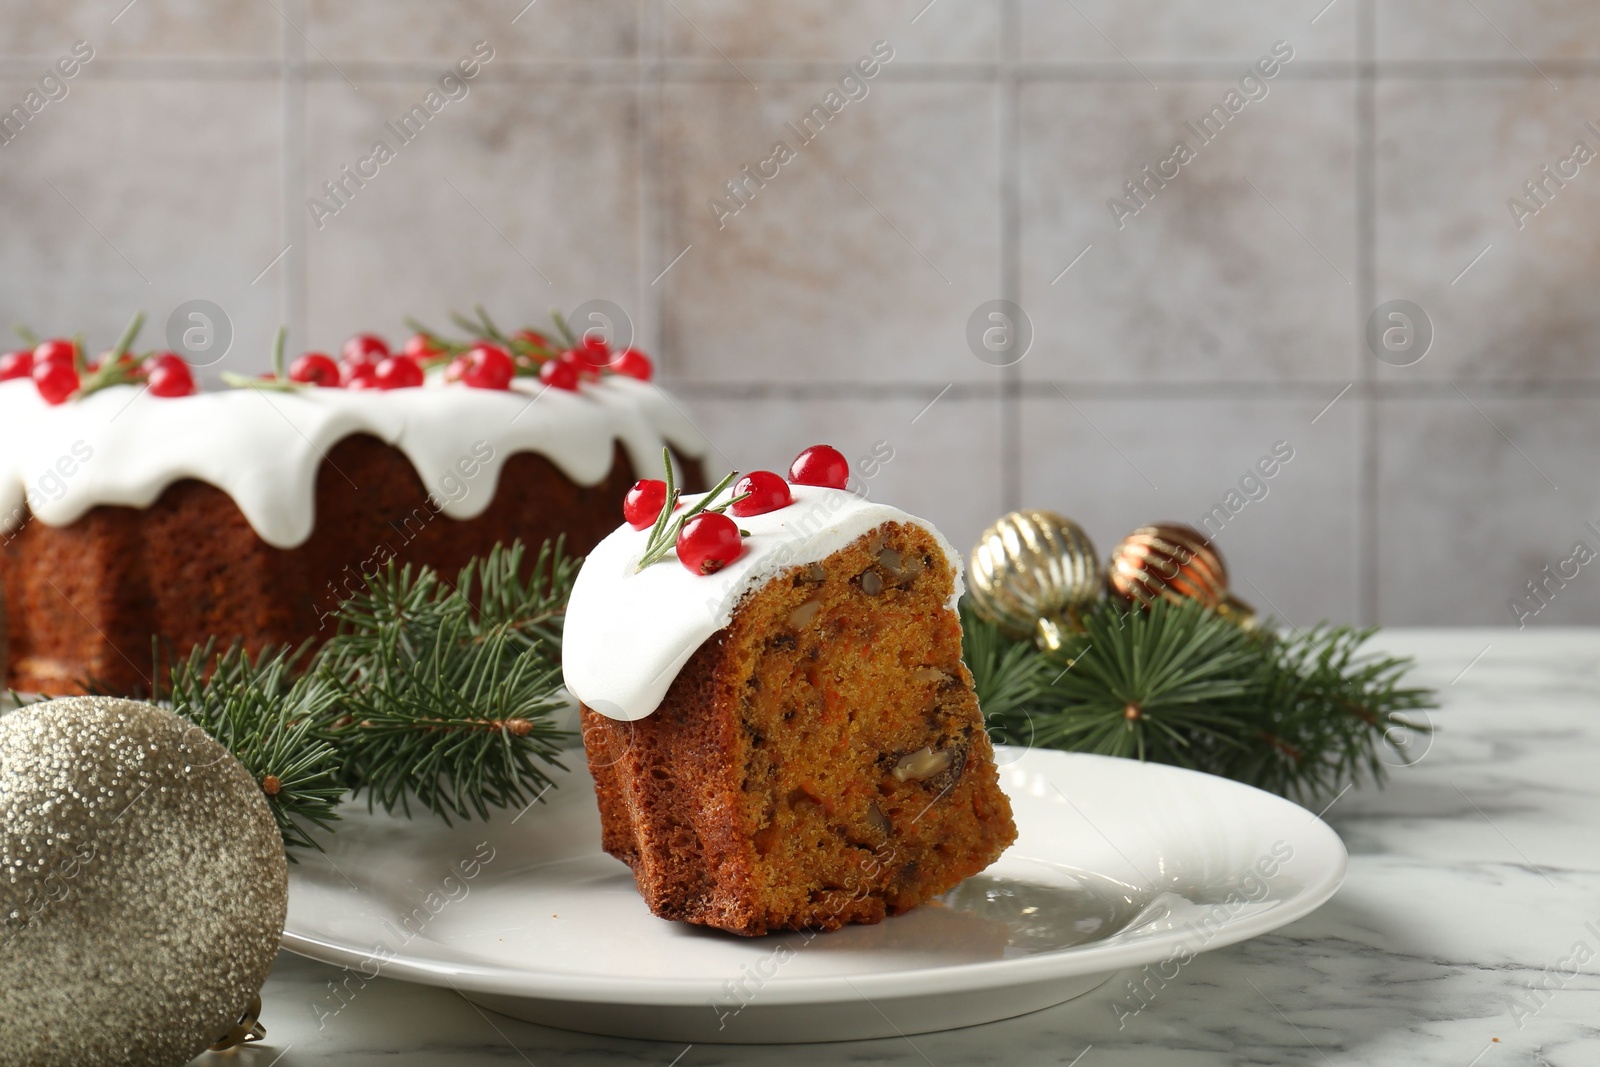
791 740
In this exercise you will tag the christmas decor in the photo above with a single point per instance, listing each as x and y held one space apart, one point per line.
144 882
1174 562
1170 668
703 547
61 372
432 691
1032 573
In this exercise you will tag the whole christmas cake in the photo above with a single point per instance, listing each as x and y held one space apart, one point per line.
780 728
133 507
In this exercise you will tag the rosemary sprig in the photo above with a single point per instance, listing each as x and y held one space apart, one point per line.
563 329
280 380
663 536
119 367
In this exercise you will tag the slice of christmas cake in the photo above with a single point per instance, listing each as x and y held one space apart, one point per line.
780 728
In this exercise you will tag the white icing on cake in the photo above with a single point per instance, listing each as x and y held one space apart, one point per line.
628 634
264 448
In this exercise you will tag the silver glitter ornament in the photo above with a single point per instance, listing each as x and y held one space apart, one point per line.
143 886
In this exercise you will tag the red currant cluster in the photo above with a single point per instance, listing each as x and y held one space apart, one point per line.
60 373
491 361
365 362
709 540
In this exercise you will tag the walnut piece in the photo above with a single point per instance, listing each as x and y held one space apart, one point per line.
923 763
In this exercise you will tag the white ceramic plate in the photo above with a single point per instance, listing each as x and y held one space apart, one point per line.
1117 864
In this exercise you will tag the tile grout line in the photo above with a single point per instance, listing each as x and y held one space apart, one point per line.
1367 530
653 182
294 285
1011 444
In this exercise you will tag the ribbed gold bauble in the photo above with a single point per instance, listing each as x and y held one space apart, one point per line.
1171 561
1032 572
144 885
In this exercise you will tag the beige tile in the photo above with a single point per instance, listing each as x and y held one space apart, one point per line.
944 466
520 200
838 30
1513 30
860 260
1211 279
47 29
1120 31
162 194
413 30
1450 154
1467 519
1113 465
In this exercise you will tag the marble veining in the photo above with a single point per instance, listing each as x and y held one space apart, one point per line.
1473 891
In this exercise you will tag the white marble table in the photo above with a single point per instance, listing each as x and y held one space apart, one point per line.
1474 876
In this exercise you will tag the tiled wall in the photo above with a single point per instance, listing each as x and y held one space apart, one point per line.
1170 353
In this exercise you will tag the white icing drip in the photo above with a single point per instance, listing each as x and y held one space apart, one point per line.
264 448
628 634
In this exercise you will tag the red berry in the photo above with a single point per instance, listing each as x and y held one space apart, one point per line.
421 346
55 379
559 374
767 492
169 375
57 350
581 360
633 363
16 365
821 465
365 347
315 368
358 375
397 372
709 542
643 504
596 351
487 367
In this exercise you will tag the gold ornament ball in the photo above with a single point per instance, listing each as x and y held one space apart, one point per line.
1032 572
1171 561
143 886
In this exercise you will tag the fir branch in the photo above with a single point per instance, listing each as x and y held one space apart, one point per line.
429 690
449 688
457 723
273 723
1149 684
1329 712
1299 715
1006 674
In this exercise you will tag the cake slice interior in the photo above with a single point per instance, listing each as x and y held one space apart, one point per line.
819 761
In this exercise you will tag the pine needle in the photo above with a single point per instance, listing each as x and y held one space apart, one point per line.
1299 715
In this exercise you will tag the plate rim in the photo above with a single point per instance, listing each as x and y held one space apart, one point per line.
1076 961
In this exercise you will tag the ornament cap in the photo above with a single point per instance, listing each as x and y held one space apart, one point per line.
248 1028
